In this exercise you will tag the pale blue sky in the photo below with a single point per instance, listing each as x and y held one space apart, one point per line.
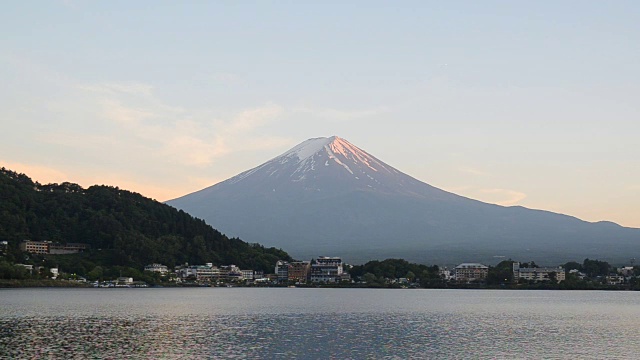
517 103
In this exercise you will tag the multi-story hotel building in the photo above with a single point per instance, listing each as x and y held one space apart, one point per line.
35 247
48 247
299 271
468 272
326 269
282 270
537 274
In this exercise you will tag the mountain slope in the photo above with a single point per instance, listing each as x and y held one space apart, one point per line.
327 196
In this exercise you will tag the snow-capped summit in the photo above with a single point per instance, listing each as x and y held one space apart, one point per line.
327 196
325 164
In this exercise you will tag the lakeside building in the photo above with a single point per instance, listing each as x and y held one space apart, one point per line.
247 274
258 274
614 279
445 273
327 269
199 272
209 273
577 273
468 272
157 268
538 274
230 272
626 271
48 247
299 271
282 271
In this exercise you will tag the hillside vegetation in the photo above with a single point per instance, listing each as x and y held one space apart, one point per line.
124 229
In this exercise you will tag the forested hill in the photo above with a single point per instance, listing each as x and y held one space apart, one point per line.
125 228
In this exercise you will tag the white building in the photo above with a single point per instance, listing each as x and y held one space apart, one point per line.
326 269
537 274
247 274
469 272
445 274
158 268
615 279
199 272
54 273
626 271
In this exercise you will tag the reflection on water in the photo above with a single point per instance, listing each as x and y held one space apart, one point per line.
351 324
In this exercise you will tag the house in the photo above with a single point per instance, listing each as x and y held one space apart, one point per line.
445 273
469 272
626 271
615 279
578 274
537 274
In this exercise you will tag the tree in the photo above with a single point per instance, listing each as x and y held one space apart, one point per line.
410 276
501 273
594 268
572 265
370 279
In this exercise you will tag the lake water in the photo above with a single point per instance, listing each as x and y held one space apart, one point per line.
284 323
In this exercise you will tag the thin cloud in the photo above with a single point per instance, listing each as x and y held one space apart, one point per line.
504 197
180 136
508 197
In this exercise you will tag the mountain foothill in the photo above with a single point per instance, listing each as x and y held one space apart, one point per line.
123 229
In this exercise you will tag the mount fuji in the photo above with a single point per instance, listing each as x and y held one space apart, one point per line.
328 197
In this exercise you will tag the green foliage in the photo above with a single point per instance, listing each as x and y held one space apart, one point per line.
592 268
11 271
375 272
572 265
595 268
501 273
124 229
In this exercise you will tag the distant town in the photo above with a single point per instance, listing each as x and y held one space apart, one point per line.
331 271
